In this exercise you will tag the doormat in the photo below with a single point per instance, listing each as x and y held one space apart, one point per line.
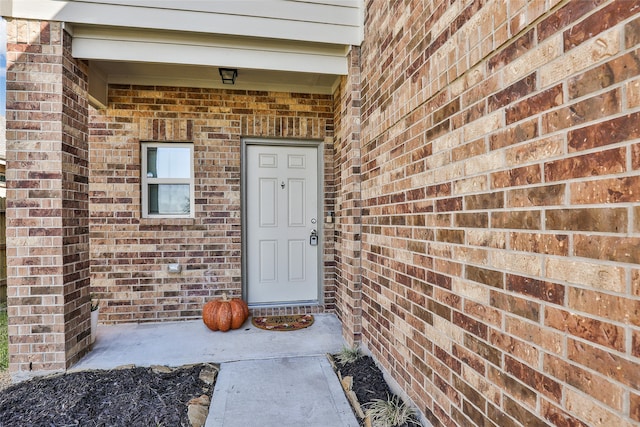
283 323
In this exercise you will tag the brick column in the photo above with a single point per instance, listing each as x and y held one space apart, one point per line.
47 204
348 201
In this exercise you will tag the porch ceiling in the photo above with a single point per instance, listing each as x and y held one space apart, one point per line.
165 74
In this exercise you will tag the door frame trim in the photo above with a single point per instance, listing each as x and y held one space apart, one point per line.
283 142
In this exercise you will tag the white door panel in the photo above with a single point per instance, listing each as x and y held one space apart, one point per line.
282 211
267 258
268 202
296 264
296 201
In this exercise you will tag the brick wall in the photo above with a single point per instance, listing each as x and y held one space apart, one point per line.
348 200
501 206
47 206
129 254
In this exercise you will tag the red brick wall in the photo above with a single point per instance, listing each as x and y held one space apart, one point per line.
129 254
47 208
501 206
348 201
75 204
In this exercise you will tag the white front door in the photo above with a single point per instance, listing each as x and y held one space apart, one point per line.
281 216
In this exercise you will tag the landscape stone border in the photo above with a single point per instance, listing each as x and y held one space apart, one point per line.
347 384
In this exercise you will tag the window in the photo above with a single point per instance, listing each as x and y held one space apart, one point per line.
167 180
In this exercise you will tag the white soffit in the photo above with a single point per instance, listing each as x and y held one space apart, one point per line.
147 74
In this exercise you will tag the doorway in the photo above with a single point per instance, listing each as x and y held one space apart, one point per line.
282 224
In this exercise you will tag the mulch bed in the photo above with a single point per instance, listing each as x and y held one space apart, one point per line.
137 396
121 397
368 382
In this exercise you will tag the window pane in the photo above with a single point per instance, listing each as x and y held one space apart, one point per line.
168 162
169 199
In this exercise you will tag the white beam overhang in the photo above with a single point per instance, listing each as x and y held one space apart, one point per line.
112 44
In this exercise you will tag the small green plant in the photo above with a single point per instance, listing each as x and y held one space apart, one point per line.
348 355
4 340
391 412
95 303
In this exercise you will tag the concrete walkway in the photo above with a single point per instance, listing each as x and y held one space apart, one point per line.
266 378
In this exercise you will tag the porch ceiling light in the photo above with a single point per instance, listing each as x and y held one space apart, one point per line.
228 75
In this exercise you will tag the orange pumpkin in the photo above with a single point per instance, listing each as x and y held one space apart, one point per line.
225 314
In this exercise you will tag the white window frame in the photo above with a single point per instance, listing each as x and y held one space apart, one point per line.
146 180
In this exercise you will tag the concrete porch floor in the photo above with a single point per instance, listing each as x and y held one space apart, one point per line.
266 378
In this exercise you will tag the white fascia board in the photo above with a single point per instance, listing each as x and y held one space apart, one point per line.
342 12
199 39
216 56
172 17
172 47
32 9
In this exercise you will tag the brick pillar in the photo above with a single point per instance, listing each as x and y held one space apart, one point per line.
348 201
47 203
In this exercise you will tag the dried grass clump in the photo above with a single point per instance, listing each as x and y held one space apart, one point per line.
349 355
390 413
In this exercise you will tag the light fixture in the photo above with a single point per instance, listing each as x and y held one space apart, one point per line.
228 75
